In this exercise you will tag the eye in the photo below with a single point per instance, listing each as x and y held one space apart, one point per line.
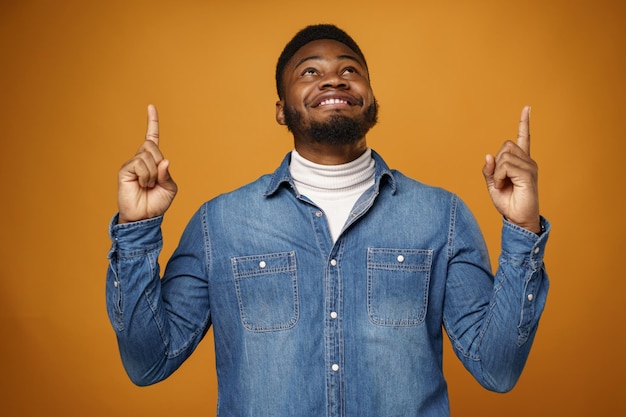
350 70
309 71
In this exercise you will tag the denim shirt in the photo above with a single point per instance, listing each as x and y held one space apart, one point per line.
307 327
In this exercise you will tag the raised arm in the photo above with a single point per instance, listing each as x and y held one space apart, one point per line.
158 321
491 320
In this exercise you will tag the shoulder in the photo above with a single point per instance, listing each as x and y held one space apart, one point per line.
407 186
245 194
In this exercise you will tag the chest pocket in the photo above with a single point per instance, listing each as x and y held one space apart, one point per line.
267 291
397 286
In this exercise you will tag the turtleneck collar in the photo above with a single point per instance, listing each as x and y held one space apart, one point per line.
333 178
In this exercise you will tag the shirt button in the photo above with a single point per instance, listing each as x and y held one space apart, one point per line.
333 262
319 213
115 284
400 258
262 264
333 315
335 367
536 251
530 297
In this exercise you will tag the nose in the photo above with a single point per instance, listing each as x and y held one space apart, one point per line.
332 80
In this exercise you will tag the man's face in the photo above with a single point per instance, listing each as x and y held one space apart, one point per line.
328 97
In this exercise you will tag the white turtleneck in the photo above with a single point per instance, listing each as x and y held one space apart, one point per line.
333 188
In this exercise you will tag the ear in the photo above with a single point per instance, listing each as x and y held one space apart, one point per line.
280 112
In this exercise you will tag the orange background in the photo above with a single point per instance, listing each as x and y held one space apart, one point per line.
451 78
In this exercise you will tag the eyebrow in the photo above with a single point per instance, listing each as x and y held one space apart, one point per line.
317 58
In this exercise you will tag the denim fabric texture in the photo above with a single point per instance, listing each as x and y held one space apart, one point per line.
307 327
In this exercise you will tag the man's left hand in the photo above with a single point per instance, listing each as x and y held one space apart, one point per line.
511 178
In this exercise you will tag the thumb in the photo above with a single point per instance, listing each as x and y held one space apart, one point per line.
489 169
164 178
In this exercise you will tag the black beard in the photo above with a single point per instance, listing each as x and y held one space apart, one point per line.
338 130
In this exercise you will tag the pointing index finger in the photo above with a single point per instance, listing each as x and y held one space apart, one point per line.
523 131
152 131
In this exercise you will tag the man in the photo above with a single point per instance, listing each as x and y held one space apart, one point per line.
328 282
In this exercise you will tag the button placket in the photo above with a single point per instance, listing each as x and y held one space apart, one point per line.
334 344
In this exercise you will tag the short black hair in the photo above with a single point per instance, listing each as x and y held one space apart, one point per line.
310 34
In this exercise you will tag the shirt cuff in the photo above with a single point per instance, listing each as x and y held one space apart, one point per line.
139 236
523 244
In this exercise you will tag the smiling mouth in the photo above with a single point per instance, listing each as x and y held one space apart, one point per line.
333 101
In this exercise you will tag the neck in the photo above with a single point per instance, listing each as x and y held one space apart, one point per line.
329 154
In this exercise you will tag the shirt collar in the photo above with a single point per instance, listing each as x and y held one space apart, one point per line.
282 175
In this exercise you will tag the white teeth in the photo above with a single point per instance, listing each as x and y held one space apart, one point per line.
333 101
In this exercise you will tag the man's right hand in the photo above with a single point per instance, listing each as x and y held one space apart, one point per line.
145 187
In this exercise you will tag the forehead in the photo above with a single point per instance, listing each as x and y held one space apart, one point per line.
323 49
